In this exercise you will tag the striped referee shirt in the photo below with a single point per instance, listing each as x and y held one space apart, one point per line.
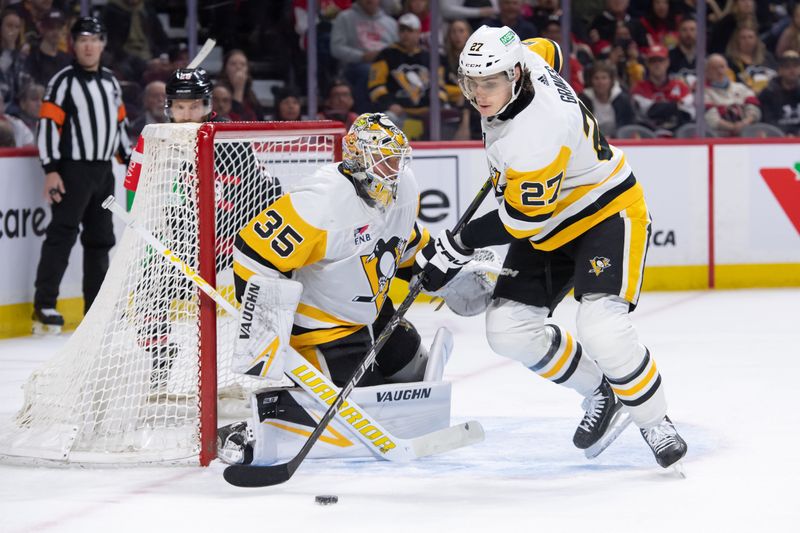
82 118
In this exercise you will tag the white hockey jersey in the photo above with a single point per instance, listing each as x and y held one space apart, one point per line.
554 170
344 252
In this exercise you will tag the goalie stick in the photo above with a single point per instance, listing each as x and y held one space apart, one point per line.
390 447
263 476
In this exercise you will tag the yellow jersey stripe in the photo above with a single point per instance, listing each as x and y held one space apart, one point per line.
320 315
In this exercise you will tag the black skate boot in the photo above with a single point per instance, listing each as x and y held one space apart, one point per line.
668 447
47 321
600 409
235 444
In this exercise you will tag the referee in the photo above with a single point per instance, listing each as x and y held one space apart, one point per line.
82 125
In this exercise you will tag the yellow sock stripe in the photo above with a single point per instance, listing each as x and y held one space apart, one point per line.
562 360
642 384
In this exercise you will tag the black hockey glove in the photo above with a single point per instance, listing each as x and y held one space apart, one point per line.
440 260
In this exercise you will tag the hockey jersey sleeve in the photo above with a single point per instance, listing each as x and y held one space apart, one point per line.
549 50
530 197
417 240
276 242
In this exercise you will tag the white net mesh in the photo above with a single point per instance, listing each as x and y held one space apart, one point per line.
125 388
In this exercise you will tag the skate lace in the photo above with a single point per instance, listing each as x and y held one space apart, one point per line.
594 407
661 436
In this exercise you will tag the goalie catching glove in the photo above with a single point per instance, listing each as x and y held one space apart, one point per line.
265 325
440 260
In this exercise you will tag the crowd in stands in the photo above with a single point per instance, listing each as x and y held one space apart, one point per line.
632 62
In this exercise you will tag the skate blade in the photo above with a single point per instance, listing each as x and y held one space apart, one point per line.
44 329
678 470
621 421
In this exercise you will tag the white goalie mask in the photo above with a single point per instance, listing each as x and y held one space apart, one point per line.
488 63
376 152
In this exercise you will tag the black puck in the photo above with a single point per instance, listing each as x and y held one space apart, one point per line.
326 499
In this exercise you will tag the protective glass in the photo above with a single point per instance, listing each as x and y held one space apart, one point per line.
194 110
486 86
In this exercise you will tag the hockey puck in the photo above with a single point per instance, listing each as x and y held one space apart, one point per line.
326 499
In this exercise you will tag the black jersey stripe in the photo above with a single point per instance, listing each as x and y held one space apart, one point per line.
604 199
245 248
522 217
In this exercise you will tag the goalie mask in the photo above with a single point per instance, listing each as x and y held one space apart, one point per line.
376 152
188 96
487 66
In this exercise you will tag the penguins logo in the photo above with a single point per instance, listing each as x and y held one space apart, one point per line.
380 267
599 264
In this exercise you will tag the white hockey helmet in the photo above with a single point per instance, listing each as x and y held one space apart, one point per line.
490 51
376 152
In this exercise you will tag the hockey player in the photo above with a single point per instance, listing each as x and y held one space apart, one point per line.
188 100
575 217
339 237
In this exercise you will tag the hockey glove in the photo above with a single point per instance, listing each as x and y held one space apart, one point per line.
440 260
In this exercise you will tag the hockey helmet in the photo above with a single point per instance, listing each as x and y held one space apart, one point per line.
189 84
487 53
376 152
88 26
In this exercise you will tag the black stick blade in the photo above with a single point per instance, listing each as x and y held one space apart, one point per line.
257 476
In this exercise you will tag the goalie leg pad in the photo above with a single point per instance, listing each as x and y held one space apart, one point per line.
283 419
265 325
518 331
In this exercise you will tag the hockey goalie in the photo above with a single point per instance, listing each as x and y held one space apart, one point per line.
312 272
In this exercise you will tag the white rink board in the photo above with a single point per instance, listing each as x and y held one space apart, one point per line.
752 225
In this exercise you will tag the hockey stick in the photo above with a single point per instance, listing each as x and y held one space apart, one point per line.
263 476
362 425
202 53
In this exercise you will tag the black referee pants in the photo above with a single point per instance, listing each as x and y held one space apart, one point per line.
87 184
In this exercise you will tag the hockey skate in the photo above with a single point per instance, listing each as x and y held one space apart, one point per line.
601 408
47 321
668 447
235 444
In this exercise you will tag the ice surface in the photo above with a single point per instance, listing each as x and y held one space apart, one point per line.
730 361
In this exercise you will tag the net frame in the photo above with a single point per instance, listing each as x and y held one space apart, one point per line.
43 444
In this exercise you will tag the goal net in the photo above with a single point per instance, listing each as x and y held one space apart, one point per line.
141 379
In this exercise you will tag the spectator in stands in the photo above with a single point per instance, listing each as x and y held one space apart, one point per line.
742 12
11 57
135 36
683 58
235 76
338 104
511 15
23 136
47 59
155 97
749 59
473 11
222 103
469 123
610 104
287 104
31 13
790 37
6 134
603 30
780 101
730 105
358 35
543 10
421 9
30 101
400 82
552 31
663 103
660 24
